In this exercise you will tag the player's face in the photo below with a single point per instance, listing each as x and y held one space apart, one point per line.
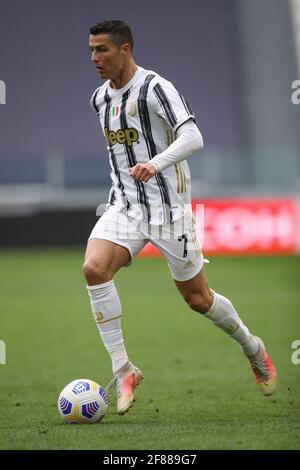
107 56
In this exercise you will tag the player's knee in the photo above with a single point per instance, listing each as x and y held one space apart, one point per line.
95 272
198 302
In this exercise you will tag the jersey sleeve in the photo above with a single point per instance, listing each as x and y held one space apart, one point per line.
170 105
93 102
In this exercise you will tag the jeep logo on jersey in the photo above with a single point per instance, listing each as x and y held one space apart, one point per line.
126 136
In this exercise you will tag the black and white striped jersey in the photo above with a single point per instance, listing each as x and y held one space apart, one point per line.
140 121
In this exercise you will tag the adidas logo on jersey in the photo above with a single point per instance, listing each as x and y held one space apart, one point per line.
189 264
128 136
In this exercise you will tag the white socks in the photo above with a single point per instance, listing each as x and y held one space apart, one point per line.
107 310
225 317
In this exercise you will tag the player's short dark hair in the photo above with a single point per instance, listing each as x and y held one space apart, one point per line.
118 29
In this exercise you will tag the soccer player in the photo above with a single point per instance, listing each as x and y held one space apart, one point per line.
150 132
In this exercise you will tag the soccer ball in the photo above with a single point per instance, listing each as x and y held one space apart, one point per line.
82 401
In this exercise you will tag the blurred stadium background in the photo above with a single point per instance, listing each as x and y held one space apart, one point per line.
235 62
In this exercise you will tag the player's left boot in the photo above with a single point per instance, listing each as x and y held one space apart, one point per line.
263 369
125 385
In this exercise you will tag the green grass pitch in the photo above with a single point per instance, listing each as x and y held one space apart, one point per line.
198 391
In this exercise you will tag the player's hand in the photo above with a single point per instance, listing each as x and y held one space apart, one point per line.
142 171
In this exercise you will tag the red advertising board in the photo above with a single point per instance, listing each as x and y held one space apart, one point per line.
244 226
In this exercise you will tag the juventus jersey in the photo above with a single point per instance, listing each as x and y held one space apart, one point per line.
139 121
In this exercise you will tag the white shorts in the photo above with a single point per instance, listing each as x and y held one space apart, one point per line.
177 242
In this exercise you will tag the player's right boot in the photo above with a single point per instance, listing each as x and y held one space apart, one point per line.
125 386
263 369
